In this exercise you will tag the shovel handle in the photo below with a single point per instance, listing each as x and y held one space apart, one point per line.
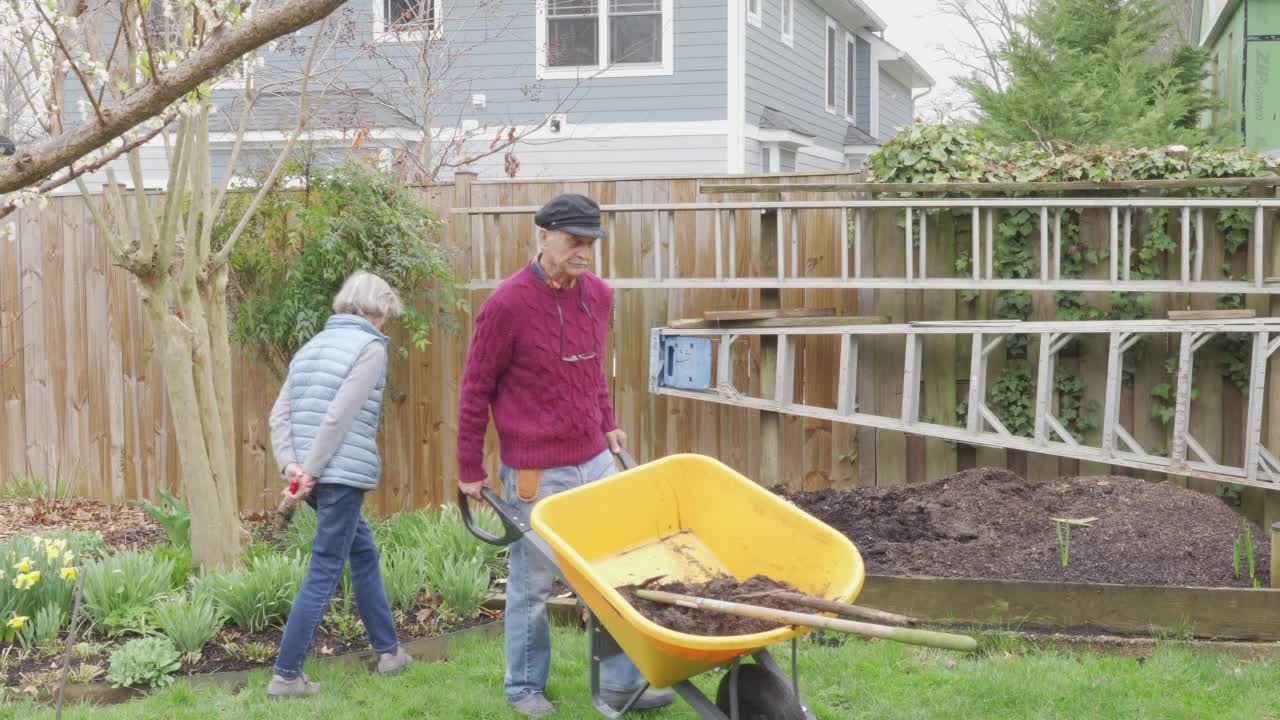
910 636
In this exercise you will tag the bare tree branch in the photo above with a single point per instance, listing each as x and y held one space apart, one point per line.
74 172
225 44
304 117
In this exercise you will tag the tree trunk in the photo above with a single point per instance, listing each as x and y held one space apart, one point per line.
215 524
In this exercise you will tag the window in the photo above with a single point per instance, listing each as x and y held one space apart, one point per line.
405 20
788 12
573 33
832 63
850 77
753 12
635 31
766 160
609 37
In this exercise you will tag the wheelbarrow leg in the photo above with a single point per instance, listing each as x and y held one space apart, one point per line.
604 647
765 659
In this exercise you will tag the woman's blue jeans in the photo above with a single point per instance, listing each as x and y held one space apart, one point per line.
527 629
341 536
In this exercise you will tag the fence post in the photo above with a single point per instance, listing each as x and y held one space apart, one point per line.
1275 555
766 253
451 366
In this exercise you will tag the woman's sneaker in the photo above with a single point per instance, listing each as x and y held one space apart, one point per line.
301 686
389 664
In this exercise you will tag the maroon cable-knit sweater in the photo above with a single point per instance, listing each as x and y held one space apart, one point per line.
548 412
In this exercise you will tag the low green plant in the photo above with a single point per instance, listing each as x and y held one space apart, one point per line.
451 538
1064 526
130 620
34 487
403 530
145 662
1244 546
258 594
172 514
343 626
297 538
461 583
189 622
45 626
119 589
84 673
404 574
258 652
180 556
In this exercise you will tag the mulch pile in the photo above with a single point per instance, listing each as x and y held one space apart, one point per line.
695 621
121 526
990 523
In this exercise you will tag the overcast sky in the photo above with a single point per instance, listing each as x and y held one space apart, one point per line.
916 27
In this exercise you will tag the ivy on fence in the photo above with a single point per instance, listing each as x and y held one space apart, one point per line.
928 153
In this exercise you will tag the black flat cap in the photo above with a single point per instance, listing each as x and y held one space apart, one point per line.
575 214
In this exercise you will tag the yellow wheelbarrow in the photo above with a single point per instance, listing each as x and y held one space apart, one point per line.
686 518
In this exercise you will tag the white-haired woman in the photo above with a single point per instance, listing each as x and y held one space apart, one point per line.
324 432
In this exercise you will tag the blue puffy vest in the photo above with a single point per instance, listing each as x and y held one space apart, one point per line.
315 374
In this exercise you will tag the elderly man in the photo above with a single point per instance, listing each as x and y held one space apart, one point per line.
536 360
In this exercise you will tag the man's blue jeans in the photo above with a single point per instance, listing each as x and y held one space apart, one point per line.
527 629
341 536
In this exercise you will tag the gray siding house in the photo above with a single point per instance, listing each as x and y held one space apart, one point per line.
593 88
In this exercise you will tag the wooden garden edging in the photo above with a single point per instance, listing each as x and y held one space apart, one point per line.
432 649
1228 613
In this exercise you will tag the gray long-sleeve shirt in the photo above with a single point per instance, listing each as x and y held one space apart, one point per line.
355 389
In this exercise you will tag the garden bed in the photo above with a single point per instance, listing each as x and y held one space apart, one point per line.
233 650
992 524
119 526
436 574
436 648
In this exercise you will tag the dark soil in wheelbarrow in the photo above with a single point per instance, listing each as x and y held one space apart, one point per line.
990 523
696 621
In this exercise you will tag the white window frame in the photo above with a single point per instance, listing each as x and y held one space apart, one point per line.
602 68
381 33
851 81
755 16
831 32
787 22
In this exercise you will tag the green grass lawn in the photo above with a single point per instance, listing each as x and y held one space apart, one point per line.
880 680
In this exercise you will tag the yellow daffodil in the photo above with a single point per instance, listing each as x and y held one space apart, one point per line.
17 622
24 566
67 557
69 574
51 554
27 581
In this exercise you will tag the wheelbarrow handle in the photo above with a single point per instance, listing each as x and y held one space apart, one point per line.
514 526
625 459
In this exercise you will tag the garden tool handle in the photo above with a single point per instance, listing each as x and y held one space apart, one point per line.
625 459
513 523
514 526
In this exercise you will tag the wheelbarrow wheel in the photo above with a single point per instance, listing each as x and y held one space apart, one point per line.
762 695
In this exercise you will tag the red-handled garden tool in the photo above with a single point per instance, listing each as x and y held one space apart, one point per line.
284 513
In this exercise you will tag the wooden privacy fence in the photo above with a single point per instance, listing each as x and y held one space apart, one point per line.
83 398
